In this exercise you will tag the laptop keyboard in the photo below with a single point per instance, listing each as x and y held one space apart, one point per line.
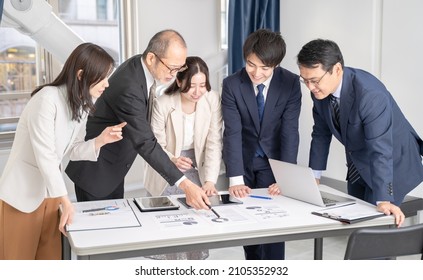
328 200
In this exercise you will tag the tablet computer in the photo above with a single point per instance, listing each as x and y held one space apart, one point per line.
155 203
216 200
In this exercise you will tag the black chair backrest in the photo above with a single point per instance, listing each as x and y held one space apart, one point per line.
366 244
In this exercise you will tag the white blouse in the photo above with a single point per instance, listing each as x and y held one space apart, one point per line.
188 142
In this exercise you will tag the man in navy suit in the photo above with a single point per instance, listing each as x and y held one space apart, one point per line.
261 106
383 151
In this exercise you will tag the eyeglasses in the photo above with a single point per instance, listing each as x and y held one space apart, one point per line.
172 71
314 83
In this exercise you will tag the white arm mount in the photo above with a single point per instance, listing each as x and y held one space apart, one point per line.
36 19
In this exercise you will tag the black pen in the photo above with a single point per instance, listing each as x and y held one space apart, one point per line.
192 165
217 215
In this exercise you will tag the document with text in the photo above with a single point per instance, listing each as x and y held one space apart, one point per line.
104 214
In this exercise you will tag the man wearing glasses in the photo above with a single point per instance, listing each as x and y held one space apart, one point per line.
127 99
383 151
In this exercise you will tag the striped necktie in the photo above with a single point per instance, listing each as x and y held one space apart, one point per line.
260 101
352 174
260 107
335 110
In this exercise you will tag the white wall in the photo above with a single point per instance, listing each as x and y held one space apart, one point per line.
381 36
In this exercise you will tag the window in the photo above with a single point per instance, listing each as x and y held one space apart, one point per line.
224 23
23 63
17 76
94 20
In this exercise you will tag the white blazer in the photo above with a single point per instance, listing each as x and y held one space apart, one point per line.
45 133
167 125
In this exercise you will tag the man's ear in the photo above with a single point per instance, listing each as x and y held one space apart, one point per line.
79 74
338 68
149 58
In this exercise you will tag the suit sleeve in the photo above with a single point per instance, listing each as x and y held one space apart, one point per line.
290 138
81 149
376 114
132 108
232 134
321 138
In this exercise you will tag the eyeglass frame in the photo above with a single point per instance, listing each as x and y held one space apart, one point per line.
314 83
172 71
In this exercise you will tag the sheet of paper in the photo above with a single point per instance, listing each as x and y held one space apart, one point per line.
228 215
177 219
103 214
266 212
191 217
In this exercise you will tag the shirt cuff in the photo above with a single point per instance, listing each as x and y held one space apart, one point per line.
378 202
237 180
180 180
317 174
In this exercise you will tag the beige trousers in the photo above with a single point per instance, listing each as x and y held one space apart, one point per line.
30 236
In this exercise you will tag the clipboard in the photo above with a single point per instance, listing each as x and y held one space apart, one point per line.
350 214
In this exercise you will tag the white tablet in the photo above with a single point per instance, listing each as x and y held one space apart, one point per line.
155 203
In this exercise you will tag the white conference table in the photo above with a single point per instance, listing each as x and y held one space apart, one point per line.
246 226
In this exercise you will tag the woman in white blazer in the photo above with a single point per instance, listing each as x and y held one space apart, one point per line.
32 187
187 122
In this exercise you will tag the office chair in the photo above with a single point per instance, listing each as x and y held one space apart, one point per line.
367 244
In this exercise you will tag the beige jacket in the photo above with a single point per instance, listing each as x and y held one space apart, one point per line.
167 125
45 133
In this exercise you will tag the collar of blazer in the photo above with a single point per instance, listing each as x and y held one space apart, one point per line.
202 118
347 99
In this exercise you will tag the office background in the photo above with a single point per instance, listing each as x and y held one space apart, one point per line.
381 36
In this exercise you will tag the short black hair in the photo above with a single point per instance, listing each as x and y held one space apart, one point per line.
267 45
320 51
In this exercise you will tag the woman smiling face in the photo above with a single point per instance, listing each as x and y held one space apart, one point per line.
197 89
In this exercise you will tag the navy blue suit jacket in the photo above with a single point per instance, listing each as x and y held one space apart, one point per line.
278 134
376 135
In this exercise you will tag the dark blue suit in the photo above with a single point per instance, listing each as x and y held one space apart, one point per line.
277 135
377 138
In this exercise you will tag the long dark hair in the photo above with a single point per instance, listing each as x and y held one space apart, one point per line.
95 63
195 65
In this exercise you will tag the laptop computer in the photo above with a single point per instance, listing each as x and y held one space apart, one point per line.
298 182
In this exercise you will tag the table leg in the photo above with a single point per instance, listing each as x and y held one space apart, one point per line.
318 248
66 250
